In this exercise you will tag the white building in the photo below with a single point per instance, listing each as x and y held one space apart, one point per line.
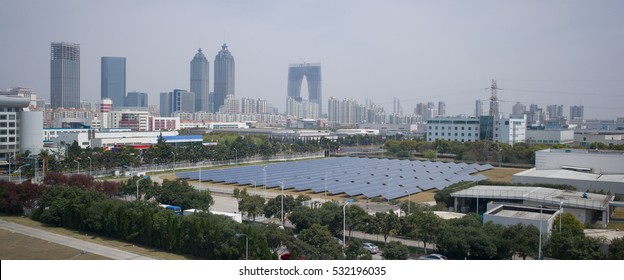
583 169
510 130
20 130
549 136
453 129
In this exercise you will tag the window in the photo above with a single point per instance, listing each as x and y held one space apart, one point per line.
455 128
463 128
455 133
442 133
12 117
462 134
469 128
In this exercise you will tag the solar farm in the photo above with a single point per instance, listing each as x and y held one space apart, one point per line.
389 179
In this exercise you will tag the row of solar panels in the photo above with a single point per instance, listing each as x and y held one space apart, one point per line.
354 176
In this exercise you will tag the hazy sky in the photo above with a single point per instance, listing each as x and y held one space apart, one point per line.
543 52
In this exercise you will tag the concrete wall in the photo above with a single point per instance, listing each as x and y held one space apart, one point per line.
601 163
581 185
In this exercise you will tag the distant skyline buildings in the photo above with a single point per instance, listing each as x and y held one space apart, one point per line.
200 81
312 73
65 75
224 77
136 99
113 79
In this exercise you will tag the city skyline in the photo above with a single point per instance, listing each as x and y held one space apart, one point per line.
558 52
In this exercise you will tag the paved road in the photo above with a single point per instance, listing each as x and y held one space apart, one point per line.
108 252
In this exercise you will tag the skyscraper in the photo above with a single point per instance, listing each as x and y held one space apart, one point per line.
113 82
136 99
65 75
312 73
441 108
478 108
576 112
200 81
177 101
223 77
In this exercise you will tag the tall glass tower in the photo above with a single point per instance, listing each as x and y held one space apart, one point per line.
65 75
113 82
223 77
200 81
312 73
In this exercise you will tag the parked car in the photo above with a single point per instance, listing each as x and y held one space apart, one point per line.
371 248
432 257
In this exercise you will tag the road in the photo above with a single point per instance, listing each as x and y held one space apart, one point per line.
104 251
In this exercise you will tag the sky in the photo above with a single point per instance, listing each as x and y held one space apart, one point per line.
564 52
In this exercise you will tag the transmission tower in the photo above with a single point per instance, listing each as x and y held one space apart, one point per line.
494 110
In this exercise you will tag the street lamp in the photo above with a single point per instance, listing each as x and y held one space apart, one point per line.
388 187
174 162
137 185
153 162
264 177
282 183
246 244
344 223
539 253
90 166
19 169
78 165
409 203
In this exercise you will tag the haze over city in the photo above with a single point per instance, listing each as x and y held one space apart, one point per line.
554 52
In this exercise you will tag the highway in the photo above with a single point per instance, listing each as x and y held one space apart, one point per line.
97 249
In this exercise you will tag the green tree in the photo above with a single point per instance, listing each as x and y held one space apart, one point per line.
616 249
273 207
423 225
355 251
252 205
395 250
322 240
388 223
180 193
356 218
524 240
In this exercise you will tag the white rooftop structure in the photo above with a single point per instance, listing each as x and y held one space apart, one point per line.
583 169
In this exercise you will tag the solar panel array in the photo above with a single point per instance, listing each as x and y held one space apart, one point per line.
353 176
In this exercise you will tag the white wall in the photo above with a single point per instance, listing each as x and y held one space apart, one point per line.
601 163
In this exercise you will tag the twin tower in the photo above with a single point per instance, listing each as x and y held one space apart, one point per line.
312 73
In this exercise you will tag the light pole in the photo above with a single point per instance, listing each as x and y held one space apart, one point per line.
90 166
246 244
78 165
282 183
174 171
19 169
153 162
388 187
264 177
409 203
539 253
137 185
344 223
560 215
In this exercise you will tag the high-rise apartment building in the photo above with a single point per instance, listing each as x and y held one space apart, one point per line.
113 80
223 77
312 73
177 101
554 111
478 108
441 108
200 81
576 112
518 109
65 75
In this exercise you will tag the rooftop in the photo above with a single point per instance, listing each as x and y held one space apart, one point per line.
540 195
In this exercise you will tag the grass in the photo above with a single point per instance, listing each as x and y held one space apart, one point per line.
15 246
501 174
105 241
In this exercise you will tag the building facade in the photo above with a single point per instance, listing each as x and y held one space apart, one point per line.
224 75
113 80
453 129
200 82
137 99
312 73
65 75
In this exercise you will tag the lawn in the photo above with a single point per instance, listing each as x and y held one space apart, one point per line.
501 174
105 241
15 246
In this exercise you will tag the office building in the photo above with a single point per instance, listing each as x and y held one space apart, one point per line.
177 101
478 108
223 77
65 75
453 129
19 130
113 79
576 112
200 81
312 73
441 109
136 99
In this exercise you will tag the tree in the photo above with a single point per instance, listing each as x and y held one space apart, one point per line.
356 218
320 238
356 251
616 249
273 207
16 197
395 250
524 240
388 223
180 193
304 217
252 205
423 225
